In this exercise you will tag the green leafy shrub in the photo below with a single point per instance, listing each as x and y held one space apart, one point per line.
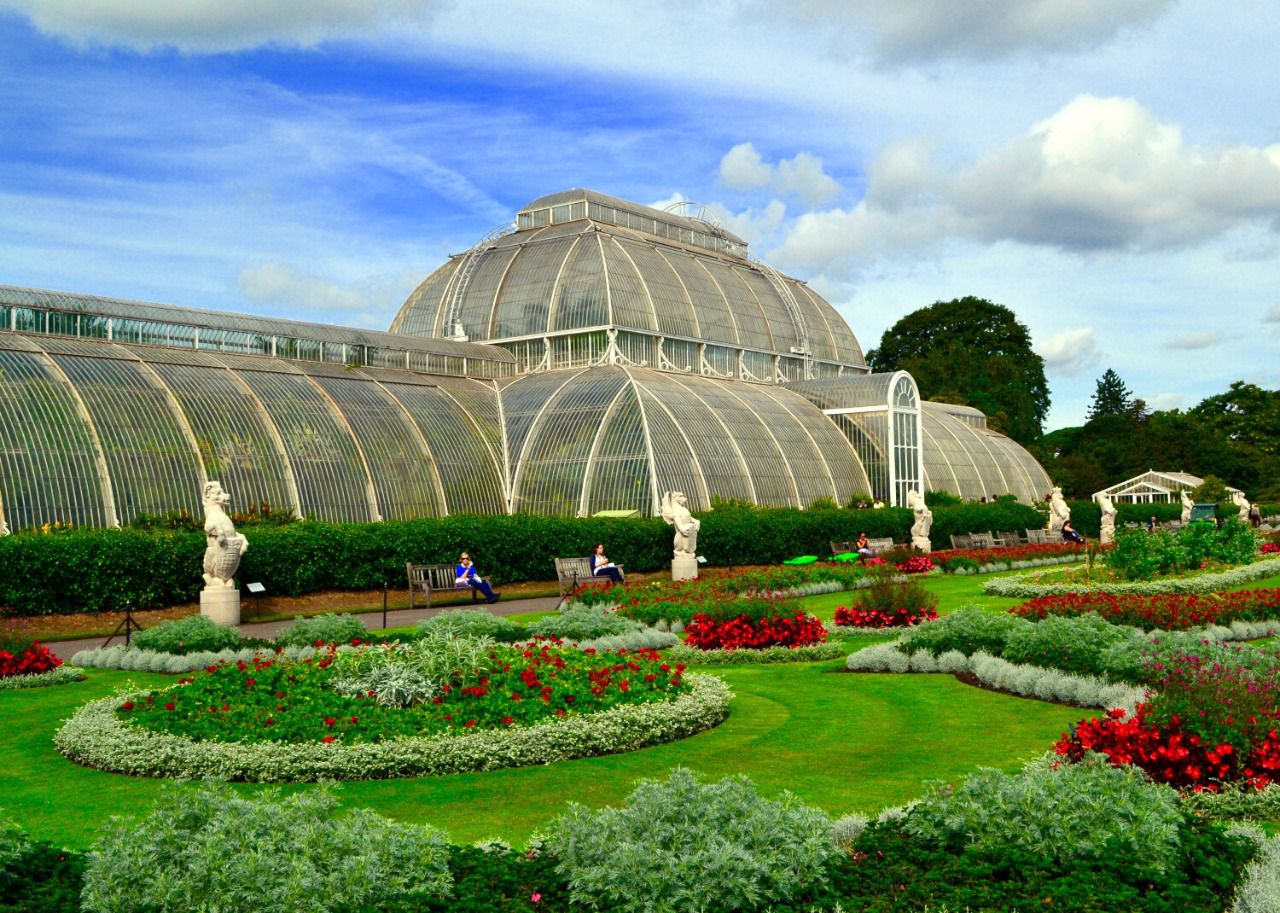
583 623
473 623
35 875
1141 555
192 634
1079 644
887 594
940 497
968 630
1059 811
323 629
211 849
682 845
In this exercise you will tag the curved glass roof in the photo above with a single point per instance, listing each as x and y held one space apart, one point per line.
31 310
590 272
98 432
974 462
615 438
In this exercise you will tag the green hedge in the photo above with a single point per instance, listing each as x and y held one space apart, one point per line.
102 570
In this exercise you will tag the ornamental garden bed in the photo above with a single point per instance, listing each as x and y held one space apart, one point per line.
34 666
438 705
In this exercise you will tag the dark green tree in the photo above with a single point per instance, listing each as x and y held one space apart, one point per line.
973 352
1111 397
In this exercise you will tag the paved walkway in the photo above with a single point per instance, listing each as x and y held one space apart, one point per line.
396 618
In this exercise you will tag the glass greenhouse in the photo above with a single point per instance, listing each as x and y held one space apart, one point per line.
593 356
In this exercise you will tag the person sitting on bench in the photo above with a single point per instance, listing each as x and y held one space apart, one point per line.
603 567
863 546
467 577
1069 533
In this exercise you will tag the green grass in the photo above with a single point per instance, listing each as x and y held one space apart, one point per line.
842 742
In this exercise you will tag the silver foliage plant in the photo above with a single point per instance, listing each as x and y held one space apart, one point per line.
390 685
1259 889
213 850
684 846
60 675
1057 811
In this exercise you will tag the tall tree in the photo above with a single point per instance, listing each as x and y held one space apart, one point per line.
974 352
1111 397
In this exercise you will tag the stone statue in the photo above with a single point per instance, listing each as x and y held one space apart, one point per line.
924 521
1187 504
1059 512
675 510
224 544
1240 501
1108 525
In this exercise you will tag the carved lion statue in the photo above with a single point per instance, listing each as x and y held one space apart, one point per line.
224 545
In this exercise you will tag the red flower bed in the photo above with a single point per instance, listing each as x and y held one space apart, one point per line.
916 564
31 661
744 633
1270 548
1168 612
875 618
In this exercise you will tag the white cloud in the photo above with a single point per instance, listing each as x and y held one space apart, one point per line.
800 176
920 30
1273 314
1070 352
1192 341
371 302
214 25
1100 174
1164 401
742 168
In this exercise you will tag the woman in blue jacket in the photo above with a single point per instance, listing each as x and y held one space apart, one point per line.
467 577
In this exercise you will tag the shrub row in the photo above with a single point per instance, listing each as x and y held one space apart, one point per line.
99 570
1083 838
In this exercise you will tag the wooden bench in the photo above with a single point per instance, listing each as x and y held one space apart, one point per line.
572 573
427 578
876 546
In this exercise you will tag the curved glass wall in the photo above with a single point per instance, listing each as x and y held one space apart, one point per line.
615 438
974 462
96 433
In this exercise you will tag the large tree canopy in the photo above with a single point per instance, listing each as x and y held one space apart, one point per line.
973 352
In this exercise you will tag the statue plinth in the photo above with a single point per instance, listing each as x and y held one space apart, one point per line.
684 567
220 605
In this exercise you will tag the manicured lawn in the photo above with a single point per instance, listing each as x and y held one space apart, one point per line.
844 742
840 741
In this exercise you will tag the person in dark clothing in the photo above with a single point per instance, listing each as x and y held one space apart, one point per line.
467 577
1069 533
601 566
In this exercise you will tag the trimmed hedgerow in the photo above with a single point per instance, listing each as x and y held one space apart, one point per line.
102 570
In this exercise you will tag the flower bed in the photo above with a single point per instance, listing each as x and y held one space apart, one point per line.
33 660
857 617
743 632
1165 612
97 736
1029 586
268 700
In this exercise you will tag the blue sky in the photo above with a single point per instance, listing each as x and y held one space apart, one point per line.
1109 169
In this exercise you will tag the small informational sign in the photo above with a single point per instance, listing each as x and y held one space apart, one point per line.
255 588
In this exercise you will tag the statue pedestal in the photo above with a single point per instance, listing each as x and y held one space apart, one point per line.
221 605
684 568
